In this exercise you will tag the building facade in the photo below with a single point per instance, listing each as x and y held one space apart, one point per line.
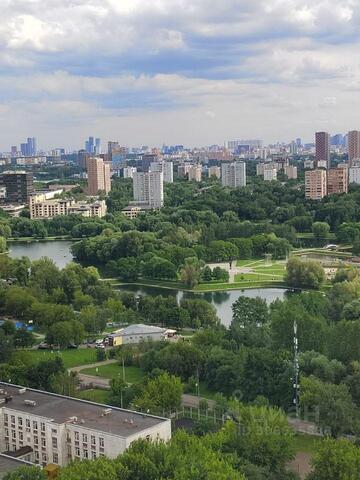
128 172
19 186
233 174
98 176
354 174
322 147
291 172
270 173
148 188
166 167
214 172
337 180
194 173
315 184
58 429
50 208
353 146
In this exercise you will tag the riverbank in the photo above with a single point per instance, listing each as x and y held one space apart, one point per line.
67 238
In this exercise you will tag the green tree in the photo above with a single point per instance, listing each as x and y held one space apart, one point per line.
249 322
336 460
321 232
304 274
26 473
190 272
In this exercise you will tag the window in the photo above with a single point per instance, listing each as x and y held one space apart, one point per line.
84 437
12 419
77 436
36 440
35 425
6 417
101 441
93 440
54 442
42 426
21 436
6 432
86 454
55 458
93 455
148 438
13 434
20 422
27 423
36 457
54 431
77 451
44 457
43 442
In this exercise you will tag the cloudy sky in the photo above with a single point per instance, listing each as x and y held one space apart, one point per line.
177 71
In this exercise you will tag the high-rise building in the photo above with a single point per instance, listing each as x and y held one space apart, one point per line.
97 146
322 147
19 186
90 145
353 146
354 174
194 173
293 148
98 176
166 167
148 188
214 171
14 151
233 174
183 169
337 180
83 158
298 142
315 184
128 172
24 149
291 172
270 173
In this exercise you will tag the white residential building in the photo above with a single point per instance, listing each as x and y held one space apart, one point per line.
354 174
50 428
233 174
270 173
167 168
128 172
149 188
214 172
195 173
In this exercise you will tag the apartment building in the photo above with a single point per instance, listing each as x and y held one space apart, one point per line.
148 188
353 146
315 184
291 172
49 428
99 178
194 173
128 172
18 184
214 172
322 147
183 169
233 174
55 207
354 174
167 168
337 180
270 173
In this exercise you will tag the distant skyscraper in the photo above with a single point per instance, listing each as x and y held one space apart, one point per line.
24 149
233 174
83 157
298 142
98 176
90 145
353 146
148 188
322 147
14 150
97 146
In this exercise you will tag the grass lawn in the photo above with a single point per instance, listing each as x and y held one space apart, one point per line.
306 443
71 358
204 392
261 271
95 395
113 370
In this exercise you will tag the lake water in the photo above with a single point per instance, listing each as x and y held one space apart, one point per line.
60 252
57 250
222 301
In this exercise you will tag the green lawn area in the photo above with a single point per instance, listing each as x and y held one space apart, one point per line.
113 370
261 271
95 395
306 443
71 358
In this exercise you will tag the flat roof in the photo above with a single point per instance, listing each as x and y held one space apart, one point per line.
60 409
8 464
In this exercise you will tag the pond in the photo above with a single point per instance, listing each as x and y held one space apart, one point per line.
222 301
60 252
57 250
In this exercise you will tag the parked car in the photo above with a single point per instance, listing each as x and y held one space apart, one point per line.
72 345
43 346
100 345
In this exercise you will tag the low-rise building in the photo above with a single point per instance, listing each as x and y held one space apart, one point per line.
55 207
57 429
13 210
137 334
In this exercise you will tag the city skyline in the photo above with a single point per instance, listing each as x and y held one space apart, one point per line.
177 71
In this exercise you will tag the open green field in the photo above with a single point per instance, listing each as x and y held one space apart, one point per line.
261 271
113 370
95 395
71 358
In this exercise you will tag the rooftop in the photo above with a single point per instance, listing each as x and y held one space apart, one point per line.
61 409
140 329
8 464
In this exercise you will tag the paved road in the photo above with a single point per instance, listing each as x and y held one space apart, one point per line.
92 365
